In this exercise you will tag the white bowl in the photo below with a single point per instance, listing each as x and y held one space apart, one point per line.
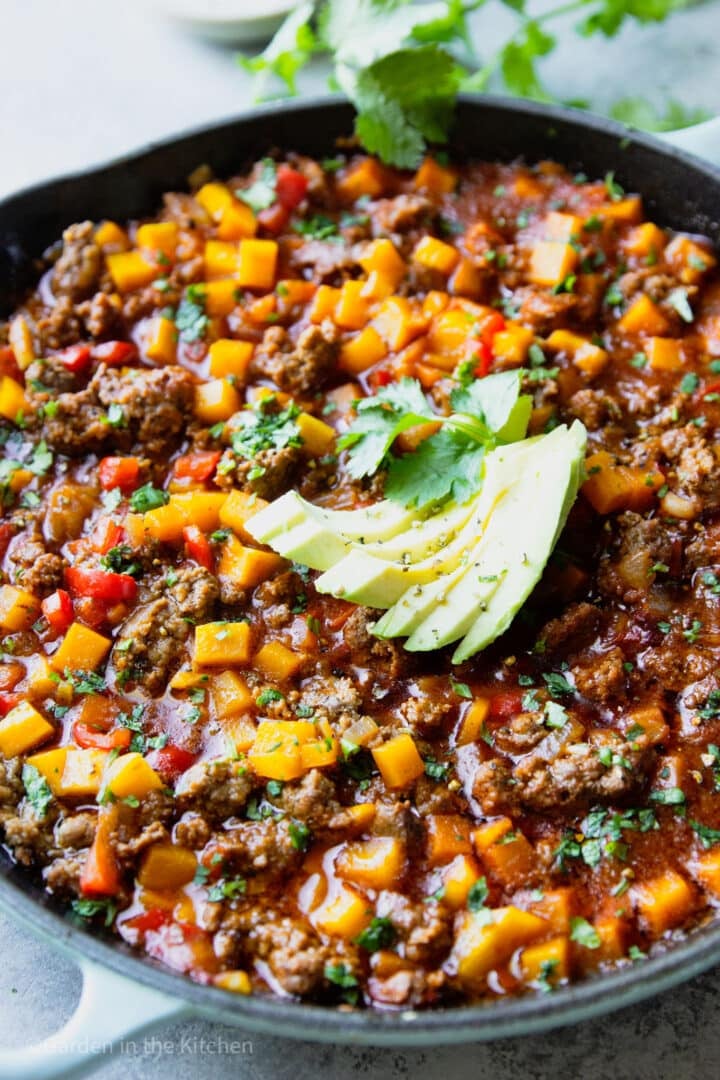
232 22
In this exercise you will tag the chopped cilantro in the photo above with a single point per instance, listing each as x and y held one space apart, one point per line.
584 933
380 934
88 909
261 194
300 835
478 894
147 498
37 790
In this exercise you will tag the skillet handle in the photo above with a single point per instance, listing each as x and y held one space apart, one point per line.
702 140
111 1013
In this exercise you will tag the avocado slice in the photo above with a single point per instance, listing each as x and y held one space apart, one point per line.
449 605
311 543
525 574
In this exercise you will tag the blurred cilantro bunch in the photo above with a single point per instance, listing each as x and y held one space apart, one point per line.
402 64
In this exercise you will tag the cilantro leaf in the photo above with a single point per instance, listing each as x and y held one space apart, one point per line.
261 194
380 419
445 465
584 933
37 790
639 113
491 399
260 428
286 55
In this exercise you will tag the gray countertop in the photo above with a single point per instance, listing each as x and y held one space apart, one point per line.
83 80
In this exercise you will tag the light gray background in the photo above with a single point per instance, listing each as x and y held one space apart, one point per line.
82 80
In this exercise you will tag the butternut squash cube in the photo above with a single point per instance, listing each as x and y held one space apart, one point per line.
435 254
324 303
399 761
551 262
320 753
448 835
459 876
221 259
159 237
345 914
643 317
549 961
645 240
21 342
161 344
130 776
216 401
365 177
436 178
610 487
167 866
591 359
201 508
230 695
277 661
352 310
165 523
82 649
317 436
237 509
257 263
509 856
237 222
361 352
707 871
612 932
381 256
236 982
625 210
51 765
228 357
13 402
275 752
214 197
22 729
467 280
561 227
362 815
471 724
377 863
398 322
663 902
218 644
689 260
511 346
486 940
378 286
221 297
83 773
246 566
130 270
19 609
109 235
241 731
557 906
665 354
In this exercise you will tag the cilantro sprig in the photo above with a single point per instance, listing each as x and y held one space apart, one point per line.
448 463
403 64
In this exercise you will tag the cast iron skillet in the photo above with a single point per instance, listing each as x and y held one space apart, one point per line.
679 191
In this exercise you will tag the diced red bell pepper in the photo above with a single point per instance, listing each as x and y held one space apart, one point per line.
101 585
492 326
171 761
291 187
382 377
711 388
8 702
90 738
274 219
7 531
106 534
8 363
152 919
119 472
101 875
115 352
506 704
58 610
77 358
198 546
484 357
198 466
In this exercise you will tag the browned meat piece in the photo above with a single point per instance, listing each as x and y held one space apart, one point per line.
278 596
260 847
77 272
62 876
301 368
422 714
102 314
192 831
279 471
564 770
673 663
11 787
590 407
543 311
60 327
601 677
311 800
293 951
395 817
575 629
76 831
400 214
704 550
521 733
50 373
214 789
150 643
156 404
328 260
641 543
434 797
425 929
696 466
37 570
369 651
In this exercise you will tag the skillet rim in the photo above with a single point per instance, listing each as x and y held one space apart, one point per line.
287 1018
